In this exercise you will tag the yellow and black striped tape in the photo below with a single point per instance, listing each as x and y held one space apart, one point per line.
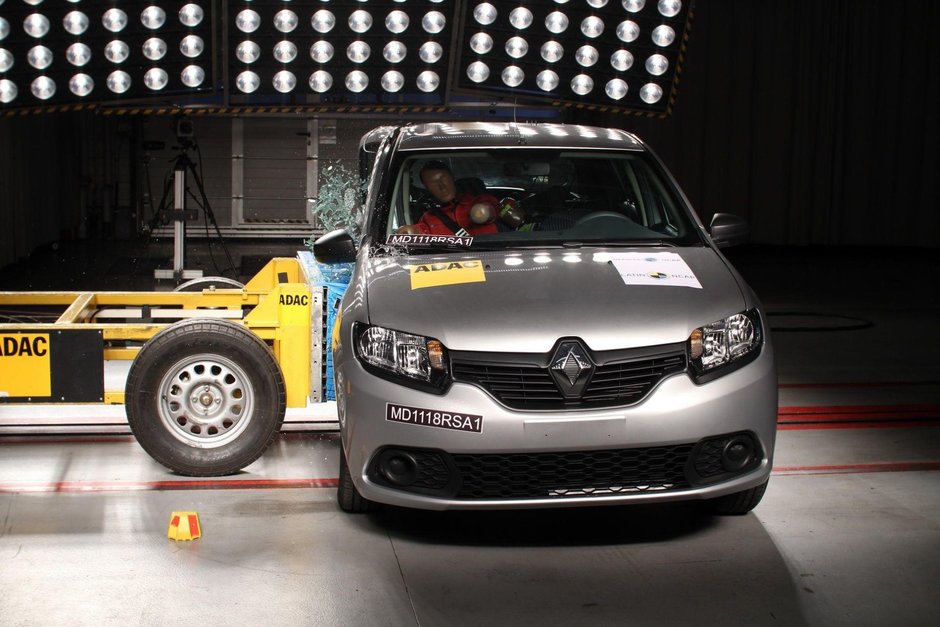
217 110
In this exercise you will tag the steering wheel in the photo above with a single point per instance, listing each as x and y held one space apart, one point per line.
600 215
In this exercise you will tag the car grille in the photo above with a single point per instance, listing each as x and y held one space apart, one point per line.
572 474
531 387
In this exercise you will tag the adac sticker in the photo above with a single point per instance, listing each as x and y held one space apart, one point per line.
456 421
25 365
446 273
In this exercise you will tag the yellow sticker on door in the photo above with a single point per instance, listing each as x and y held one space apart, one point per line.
447 273
25 365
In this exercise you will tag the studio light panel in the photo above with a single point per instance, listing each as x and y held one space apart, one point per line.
358 52
605 53
617 54
70 51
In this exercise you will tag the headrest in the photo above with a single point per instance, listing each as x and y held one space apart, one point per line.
470 185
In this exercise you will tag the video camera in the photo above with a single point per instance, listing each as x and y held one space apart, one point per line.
185 133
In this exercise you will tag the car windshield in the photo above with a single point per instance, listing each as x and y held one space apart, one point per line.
528 197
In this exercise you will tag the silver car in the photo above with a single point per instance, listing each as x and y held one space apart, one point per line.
575 339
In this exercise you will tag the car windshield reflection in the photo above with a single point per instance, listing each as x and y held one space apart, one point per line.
529 198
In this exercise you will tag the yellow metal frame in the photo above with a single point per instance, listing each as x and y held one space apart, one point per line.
275 305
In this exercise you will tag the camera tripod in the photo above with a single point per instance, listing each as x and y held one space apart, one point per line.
183 169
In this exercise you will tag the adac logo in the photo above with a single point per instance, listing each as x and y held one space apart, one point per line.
447 273
451 265
25 364
658 275
25 345
300 300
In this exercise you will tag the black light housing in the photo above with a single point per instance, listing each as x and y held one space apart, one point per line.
54 53
339 52
604 54
616 55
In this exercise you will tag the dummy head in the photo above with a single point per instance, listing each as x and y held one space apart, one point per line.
438 181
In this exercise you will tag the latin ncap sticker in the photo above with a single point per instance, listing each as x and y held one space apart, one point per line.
654 269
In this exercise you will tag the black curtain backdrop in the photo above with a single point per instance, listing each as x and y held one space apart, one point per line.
817 120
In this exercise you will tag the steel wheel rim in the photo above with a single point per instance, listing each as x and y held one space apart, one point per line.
206 400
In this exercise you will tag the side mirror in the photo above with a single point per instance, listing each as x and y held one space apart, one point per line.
335 247
728 230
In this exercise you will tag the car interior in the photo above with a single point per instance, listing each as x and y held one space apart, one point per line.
571 195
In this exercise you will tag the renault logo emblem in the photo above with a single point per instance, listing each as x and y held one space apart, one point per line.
571 368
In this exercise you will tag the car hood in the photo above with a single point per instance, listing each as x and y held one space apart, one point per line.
529 299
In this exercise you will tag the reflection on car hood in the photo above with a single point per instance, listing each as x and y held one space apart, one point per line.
528 299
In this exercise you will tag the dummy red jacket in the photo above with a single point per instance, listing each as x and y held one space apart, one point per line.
459 212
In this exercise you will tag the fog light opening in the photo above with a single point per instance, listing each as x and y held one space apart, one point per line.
399 468
737 453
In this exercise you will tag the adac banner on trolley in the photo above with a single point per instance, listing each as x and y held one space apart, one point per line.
61 366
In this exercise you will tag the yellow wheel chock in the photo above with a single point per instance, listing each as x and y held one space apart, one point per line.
184 526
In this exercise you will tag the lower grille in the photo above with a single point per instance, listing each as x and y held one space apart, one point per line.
572 474
708 459
433 471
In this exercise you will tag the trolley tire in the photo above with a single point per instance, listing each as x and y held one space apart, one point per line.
208 283
347 496
205 366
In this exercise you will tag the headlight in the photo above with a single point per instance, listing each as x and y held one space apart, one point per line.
405 358
725 345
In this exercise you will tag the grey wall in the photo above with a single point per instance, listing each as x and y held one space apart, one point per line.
818 121
40 181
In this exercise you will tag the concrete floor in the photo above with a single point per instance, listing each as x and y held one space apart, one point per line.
847 534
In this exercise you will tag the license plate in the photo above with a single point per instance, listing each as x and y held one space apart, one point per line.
421 417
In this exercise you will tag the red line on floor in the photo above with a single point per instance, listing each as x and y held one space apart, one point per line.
81 438
136 486
840 469
915 410
857 384
857 416
39 438
875 424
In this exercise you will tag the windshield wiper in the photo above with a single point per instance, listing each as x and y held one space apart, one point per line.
633 244
439 247
594 244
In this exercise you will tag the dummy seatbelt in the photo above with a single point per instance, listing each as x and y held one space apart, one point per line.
449 223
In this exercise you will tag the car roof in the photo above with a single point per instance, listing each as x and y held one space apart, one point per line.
462 135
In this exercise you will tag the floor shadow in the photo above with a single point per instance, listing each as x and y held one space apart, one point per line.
587 526
629 565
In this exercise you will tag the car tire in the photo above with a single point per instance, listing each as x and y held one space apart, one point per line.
347 496
739 503
205 397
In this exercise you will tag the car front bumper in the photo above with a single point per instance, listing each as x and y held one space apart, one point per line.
677 412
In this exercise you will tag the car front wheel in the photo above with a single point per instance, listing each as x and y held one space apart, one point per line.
347 496
739 503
